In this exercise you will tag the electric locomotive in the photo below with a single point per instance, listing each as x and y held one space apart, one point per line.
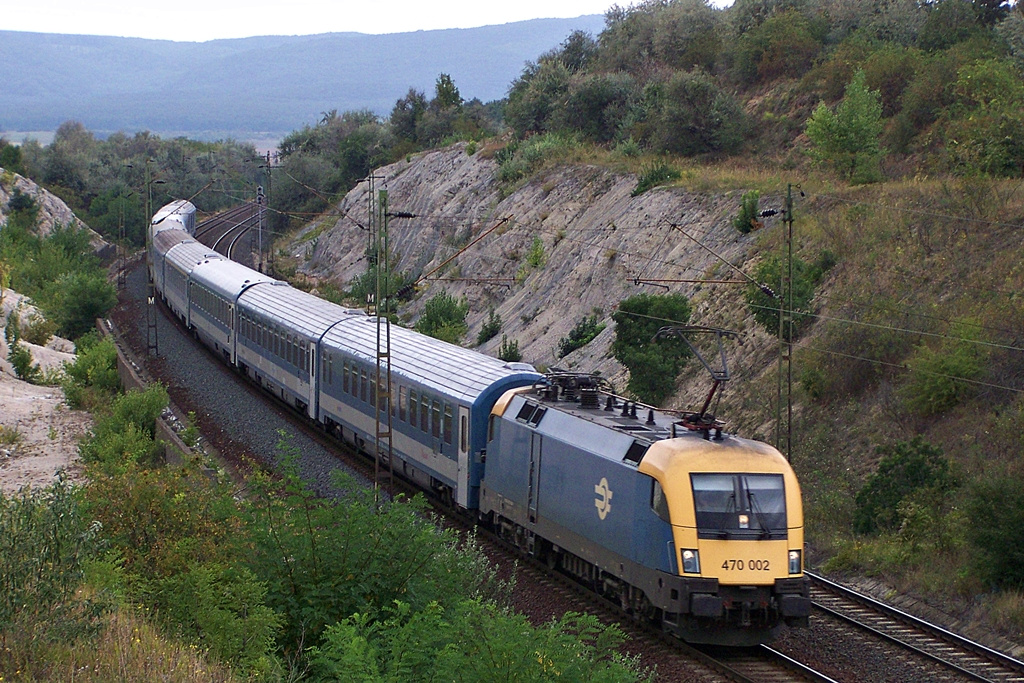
702 534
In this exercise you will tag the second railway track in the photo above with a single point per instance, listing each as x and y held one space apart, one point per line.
961 656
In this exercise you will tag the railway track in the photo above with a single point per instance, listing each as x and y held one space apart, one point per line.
224 232
963 657
763 665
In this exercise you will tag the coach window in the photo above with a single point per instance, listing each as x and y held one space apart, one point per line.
413 407
364 385
330 368
435 422
425 413
448 423
344 377
401 403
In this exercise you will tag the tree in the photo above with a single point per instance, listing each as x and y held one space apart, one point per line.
995 508
765 308
905 469
653 363
693 115
444 318
848 137
536 95
406 114
10 157
446 95
688 35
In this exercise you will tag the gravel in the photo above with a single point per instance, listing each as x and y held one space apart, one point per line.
243 426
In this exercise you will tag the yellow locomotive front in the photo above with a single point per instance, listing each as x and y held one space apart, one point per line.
737 525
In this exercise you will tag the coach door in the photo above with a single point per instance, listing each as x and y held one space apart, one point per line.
533 493
463 482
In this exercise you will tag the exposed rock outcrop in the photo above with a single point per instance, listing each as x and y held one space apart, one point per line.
52 211
600 246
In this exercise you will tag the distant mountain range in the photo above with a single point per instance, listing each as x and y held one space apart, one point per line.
244 88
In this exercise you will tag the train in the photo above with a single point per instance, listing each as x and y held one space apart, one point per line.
693 530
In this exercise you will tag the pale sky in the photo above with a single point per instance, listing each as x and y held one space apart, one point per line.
202 20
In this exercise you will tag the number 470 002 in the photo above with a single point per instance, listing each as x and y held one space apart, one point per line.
755 565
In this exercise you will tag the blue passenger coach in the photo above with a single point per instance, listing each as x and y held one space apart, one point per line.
441 397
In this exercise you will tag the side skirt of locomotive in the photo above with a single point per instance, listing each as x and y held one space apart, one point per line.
697 610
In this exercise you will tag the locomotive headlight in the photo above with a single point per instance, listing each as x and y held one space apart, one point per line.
794 562
691 562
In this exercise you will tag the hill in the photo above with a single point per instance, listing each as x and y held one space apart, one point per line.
238 87
909 346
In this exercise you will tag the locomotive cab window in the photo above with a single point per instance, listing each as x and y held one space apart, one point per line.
733 505
659 503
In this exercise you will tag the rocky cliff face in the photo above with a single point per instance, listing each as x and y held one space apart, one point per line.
598 243
52 211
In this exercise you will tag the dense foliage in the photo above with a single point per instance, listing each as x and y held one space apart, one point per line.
277 585
907 469
444 317
654 362
59 272
108 183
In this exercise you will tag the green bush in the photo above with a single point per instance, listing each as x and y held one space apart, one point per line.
509 350
784 45
45 542
652 175
906 468
20 358
92 379
995 509
690 114
941 378
444 317
325 560
848 138
765 308
747 219
490 329
653 363
222 609
39 330
580 335
470 641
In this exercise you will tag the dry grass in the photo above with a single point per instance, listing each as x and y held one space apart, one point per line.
128 649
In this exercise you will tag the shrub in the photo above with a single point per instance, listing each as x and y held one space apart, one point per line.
905 469
848 138
691 115
325 560
652 175
92 379
473 641
220 607
653 363
444 317
39 330
509 350
20 359
580 335
747 219
942 378
765 308
784 45
995 508
490 328
45 542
